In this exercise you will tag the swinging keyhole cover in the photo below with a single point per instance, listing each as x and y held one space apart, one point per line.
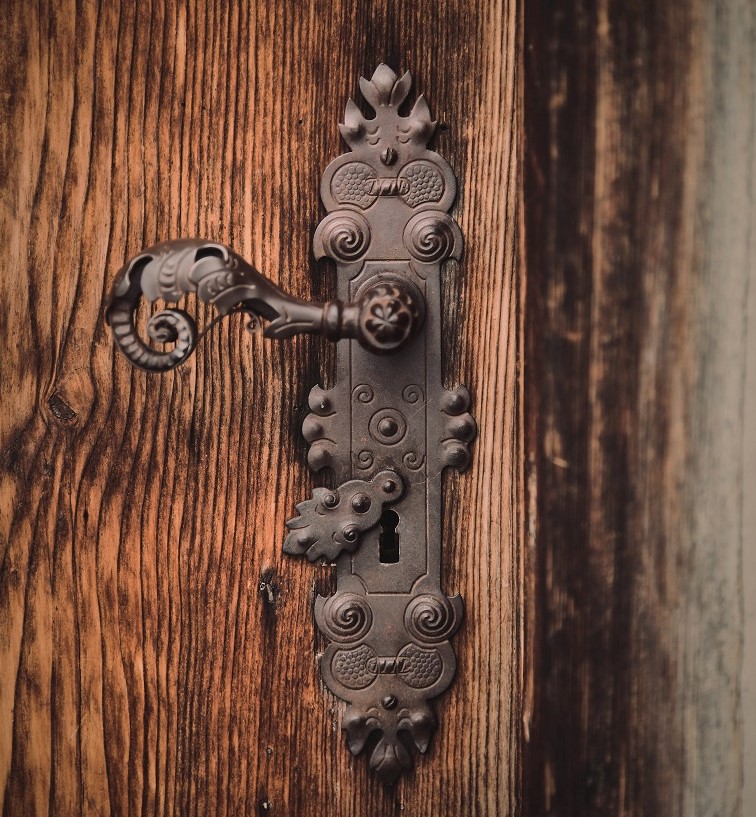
388 541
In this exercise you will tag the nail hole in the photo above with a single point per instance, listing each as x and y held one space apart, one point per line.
388 541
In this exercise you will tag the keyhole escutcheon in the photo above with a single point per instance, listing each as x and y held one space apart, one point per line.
388 541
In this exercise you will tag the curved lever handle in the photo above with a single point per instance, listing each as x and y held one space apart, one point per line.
383 320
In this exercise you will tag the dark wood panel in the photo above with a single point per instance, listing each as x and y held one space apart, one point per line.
158 652
638 180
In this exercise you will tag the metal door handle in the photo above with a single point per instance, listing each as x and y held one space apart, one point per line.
384 319
387 428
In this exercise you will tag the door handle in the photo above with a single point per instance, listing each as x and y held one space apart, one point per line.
383 320
387 428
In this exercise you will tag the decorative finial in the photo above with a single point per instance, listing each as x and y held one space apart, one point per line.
385 92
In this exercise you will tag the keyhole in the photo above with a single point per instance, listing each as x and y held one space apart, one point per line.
388 541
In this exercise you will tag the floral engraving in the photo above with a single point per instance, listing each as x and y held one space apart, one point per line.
351 667
389 232
354 184
420 667
416 667
390 316
424 183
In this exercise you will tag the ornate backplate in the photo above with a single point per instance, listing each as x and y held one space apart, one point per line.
387 429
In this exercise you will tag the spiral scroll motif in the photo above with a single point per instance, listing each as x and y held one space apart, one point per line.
167 326
413 393
413 460
430 618
346 617
364 459
363 393
344 237
430 237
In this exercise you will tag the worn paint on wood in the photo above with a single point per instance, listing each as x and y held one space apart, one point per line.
639 162
158 652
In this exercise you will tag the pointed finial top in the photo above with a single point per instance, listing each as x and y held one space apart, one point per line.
385 92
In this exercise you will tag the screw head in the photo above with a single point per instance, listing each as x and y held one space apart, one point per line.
389 156
350 533
330 500
389 486
389 702
361 503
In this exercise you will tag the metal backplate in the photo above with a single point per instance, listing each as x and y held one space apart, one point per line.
389 623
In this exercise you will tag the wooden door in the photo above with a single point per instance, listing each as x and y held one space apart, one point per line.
159 654
161 650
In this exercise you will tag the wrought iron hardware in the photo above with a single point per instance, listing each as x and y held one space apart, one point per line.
332 522
383 319
387 428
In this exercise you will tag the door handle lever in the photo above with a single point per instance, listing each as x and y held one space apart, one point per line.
383 320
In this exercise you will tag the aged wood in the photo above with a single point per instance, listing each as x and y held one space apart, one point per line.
158 651
748 568
639 181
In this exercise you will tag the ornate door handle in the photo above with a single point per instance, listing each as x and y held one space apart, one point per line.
387 428
222 278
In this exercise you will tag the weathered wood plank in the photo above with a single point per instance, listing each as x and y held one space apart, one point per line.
748 671
158 652
639 161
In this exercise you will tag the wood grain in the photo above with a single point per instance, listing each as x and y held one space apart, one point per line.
158 652
639 180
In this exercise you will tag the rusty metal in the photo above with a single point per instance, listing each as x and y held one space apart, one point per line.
387 428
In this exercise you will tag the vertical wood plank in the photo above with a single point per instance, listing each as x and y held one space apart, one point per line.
158 651
748 570
639 123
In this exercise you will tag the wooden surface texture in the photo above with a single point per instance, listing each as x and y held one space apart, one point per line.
158 653
639 190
